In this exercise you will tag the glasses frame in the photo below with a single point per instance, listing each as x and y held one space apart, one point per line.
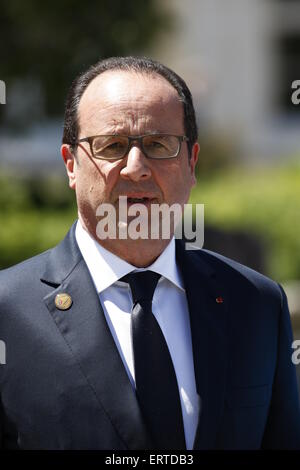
131 140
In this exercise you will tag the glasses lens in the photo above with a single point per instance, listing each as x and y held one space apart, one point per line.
110 147
161 146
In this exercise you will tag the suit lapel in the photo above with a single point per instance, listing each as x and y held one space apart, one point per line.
87 334
208 318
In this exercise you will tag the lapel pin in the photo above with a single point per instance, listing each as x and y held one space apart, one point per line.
219 300
63 301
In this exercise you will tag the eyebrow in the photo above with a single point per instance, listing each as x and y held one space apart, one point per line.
123 130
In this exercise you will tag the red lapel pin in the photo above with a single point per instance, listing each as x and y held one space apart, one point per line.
219 300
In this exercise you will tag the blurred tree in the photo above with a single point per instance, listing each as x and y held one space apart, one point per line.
43 45
217 153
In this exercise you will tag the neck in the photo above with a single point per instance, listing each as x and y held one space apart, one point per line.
140 253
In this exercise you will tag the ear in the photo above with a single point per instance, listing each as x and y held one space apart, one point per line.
193 161
70 164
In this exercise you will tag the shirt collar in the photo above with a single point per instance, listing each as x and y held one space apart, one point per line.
106 268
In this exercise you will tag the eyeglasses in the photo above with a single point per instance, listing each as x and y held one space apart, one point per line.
114 147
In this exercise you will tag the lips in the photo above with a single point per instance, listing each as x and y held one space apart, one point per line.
139 198
132 200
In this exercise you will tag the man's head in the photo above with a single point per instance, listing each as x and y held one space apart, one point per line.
129 97
130 64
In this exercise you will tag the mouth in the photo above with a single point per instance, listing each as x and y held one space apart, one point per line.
136 200
140 199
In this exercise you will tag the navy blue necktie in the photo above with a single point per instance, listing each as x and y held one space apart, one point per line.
156 383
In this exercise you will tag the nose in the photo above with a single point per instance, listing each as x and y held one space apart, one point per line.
137 165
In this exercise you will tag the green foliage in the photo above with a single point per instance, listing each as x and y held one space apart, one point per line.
262 201
25 234
35 214
50 42
217 153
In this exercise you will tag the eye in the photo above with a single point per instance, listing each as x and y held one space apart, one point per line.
161 146
109 145
114 146
156 144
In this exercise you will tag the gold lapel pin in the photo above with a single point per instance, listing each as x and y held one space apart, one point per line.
63 301
219 300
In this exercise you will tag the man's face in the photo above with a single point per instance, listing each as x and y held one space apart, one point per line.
128 103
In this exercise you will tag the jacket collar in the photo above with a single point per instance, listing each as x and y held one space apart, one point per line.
85 330
62 259
208 307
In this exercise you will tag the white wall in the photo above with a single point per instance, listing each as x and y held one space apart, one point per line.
225 51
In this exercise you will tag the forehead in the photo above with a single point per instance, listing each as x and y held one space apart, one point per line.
119 95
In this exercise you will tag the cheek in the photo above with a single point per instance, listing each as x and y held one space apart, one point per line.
96 178
175 179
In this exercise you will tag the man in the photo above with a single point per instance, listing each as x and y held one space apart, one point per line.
123 343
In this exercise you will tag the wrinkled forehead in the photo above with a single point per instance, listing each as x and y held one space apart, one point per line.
117 92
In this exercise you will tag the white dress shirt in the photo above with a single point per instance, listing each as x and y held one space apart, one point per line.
169 307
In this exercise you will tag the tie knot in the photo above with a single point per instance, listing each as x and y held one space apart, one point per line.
142 284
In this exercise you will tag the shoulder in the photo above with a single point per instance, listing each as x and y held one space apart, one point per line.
35 262
17 277
31 271
235 275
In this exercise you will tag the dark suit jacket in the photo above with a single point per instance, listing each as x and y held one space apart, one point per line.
64 385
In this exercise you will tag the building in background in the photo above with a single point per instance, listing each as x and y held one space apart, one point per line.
240 58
